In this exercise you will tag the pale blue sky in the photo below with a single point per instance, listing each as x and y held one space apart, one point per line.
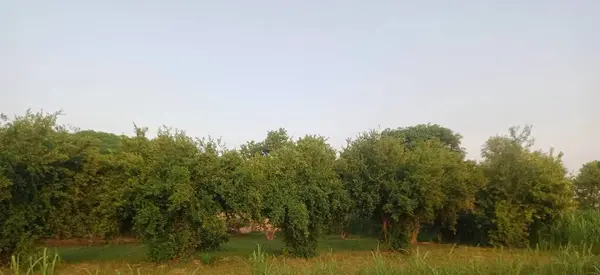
236 69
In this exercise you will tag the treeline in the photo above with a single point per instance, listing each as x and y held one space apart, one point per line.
180 194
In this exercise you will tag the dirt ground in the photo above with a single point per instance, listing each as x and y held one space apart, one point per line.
87 241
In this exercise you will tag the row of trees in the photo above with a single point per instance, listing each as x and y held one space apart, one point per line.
179 194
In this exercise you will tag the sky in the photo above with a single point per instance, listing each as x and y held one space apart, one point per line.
236 68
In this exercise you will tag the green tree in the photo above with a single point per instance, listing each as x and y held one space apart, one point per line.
526 189
260 175
107 142
175 208
301 191
587 185
462 178
274 141
401 184
92 197
320 191
422 132
31 153
70 200
462 181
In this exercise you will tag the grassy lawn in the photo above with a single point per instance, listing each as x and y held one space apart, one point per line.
353 256
241 246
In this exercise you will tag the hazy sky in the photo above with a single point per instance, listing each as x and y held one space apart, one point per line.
237 68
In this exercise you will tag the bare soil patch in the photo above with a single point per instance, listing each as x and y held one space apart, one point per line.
87 241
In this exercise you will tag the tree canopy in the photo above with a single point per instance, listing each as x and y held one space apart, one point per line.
408 176
526 188
587 185
179 194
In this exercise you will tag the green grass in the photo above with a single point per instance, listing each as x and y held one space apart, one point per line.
254 255
578 228
417 261
242 246
429 259
44 264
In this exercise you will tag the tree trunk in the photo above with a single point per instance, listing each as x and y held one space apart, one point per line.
175 260
385 224
415 233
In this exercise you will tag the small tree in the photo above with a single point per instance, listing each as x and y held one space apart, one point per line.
301 190
320 191
462 178
30 157
399 183
526 189
587 185
176 213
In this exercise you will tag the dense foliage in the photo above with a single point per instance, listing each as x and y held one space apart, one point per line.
301 190
180 194
526 191
408 177
587 185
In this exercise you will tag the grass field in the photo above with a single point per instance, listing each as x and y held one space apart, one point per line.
238 246
352 256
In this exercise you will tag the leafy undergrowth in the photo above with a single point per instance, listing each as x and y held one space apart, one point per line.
361 256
